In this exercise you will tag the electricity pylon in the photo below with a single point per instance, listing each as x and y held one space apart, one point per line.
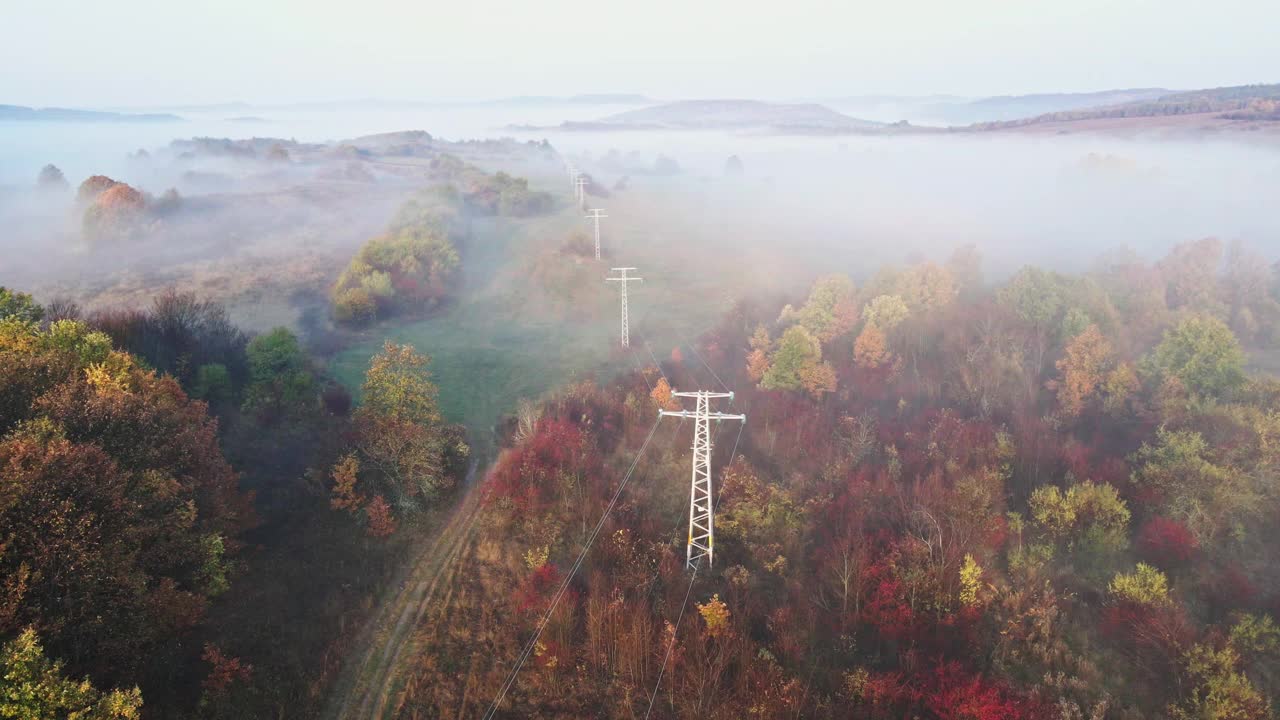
595 215
623 280
581 185
702 522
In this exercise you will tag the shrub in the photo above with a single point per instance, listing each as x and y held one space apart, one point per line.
116 211
94 186
354 306
1144 586
51 178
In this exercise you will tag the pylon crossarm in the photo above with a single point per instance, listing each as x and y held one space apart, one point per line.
694 414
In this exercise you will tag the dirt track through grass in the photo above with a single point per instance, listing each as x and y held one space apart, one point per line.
370 678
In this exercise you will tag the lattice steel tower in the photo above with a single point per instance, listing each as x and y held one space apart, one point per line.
702 521
595 215
623 280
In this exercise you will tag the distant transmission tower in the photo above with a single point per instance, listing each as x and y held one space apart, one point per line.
595 215
581 185
702 524
623 280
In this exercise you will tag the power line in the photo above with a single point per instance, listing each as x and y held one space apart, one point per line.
542 624
655 360
705 365
733 454
639 361
674 632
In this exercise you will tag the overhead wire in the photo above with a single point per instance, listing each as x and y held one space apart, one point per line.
675 631
555 601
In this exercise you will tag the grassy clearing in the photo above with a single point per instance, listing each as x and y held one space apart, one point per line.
507 336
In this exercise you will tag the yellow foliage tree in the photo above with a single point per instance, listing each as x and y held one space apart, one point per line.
970 581
757 365
1120 385
715 613
1144 586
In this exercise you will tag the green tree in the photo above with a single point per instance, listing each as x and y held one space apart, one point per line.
19 306
797 352
1211 498
280 378
33 687
1036 297
885 312
827 312
1203 353
213 384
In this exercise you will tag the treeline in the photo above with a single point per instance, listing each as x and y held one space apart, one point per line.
168 524
1054 498
114 210
411 267
1244 102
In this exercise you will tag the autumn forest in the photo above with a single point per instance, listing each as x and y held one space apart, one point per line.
883 407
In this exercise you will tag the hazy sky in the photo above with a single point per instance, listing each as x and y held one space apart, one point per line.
141 52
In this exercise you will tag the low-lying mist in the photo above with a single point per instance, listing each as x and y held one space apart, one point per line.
1058 201
801 206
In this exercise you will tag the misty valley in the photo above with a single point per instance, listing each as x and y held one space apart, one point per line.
606 406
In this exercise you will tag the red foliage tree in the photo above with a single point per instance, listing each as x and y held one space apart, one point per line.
224 670
957 695
1166 542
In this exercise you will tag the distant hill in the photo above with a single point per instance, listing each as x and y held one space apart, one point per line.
1242 102
588 99
611 99
1014 107
738 114
19 113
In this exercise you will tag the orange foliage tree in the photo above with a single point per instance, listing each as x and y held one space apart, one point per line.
661 395
1083 368
345 496
871 349
382 523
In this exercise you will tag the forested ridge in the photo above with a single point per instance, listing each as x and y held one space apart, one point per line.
1243 102
1050 498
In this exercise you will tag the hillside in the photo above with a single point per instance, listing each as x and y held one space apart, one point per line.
1243 102
1043 499
19 113
1013 107
956 110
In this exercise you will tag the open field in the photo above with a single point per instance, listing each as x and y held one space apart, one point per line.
515 333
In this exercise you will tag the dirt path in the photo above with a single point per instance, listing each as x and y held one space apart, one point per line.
372 672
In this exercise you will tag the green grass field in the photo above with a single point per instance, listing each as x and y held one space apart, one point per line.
508 336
